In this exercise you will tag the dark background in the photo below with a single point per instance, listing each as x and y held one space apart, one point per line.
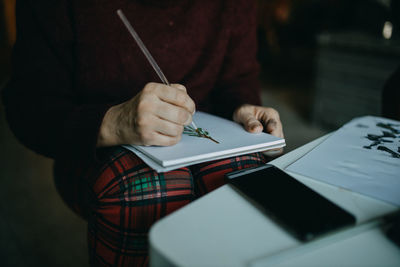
323 62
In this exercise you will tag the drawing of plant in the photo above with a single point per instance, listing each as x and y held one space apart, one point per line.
199 132
389 135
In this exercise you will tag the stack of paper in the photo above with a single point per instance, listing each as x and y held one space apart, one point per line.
233 141
362 156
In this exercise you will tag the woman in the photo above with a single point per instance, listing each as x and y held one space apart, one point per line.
81 87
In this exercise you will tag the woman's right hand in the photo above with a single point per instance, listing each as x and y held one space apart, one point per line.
155 116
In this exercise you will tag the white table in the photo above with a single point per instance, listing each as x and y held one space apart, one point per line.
224 229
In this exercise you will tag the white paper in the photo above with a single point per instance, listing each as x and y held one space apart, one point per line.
343 159
158 168
233 141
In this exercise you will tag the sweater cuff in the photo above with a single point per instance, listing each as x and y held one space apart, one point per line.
81 129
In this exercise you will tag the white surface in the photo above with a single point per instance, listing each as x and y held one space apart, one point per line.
224 229
222 236
342 160
364 245
232 138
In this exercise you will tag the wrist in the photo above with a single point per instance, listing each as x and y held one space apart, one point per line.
107 133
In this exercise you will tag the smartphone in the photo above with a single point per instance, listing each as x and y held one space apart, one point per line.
300 210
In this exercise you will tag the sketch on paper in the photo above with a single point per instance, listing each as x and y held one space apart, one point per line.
389 135
199 132
362 156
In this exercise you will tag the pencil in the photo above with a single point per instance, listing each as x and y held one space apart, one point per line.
146 52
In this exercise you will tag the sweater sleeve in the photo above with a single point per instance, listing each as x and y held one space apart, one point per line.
43 108
238 81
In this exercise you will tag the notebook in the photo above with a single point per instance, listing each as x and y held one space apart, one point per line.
233 141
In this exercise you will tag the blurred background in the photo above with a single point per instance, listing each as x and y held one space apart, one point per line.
323 62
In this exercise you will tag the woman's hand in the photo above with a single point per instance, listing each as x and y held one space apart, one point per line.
155 116
255 119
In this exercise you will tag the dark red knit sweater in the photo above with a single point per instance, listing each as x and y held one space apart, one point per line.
74 59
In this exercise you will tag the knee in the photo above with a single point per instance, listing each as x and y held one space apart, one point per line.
127 189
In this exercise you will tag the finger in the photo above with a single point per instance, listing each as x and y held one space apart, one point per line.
177 97
167 128
165 140
172 113
159 139
183 88
274 127
179 86
253 125
244 115
271 121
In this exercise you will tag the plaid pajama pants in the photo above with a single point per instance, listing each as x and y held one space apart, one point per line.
121 197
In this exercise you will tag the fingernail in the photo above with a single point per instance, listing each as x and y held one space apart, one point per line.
271 123
254 126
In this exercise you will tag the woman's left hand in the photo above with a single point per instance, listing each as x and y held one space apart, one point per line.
256 119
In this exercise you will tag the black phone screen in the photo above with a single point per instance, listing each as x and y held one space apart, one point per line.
299 209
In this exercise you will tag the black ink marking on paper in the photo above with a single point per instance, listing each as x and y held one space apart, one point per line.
389 135
394 154
389 126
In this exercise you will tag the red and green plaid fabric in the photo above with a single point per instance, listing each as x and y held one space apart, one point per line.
121 197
